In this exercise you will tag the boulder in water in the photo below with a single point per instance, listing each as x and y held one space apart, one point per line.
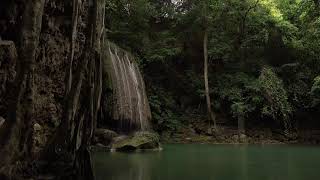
105 136
138 141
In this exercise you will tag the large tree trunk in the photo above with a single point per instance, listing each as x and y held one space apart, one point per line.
211 114
15 133
70 144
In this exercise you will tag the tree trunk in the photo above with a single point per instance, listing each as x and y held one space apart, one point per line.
211 114
70 144
75 15
16 132
241 125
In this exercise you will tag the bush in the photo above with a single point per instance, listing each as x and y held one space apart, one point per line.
241 91
247 95
315 91
162 107
276 105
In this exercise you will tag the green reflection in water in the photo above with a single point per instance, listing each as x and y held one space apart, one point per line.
211 162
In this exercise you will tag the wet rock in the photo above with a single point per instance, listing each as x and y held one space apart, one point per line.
138 141
37 127
234 138
104 136
193 131
2 120
210 131
119 138
100 145
46 177
243 138
54 120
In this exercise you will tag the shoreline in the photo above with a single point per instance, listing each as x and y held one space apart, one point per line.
229 136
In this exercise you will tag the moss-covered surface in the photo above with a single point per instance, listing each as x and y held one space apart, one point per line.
226 135
138 141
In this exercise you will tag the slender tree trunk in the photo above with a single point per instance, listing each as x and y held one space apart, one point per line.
241 125
206 80
75 15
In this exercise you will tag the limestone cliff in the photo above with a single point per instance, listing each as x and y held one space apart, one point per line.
51 86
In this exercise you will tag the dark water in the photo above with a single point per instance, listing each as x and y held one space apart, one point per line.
212 162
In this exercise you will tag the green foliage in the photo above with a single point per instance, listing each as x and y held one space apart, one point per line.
298 79
241 91
162 105
315 91
277 105
164 47
196 83
160 32
130 26
246 94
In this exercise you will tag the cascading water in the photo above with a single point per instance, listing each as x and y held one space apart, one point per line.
128 105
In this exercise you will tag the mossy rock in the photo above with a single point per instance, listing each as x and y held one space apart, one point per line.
138 141
104 136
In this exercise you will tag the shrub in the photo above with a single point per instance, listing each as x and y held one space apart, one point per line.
264 95
276 105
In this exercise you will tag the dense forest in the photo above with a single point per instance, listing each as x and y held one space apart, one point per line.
260 59
126 75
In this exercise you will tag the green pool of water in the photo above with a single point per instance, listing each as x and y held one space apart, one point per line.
211 162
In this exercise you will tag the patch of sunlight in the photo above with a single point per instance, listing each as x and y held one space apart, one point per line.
272 7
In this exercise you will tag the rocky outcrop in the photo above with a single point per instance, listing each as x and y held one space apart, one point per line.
137 141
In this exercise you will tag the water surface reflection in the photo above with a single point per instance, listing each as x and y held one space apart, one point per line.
211 162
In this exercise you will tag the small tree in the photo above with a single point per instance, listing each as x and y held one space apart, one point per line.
205 26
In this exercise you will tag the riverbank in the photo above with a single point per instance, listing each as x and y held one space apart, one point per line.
229 135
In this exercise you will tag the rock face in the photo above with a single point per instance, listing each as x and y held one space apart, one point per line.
127 98
138 141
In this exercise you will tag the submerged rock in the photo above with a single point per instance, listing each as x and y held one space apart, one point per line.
138 141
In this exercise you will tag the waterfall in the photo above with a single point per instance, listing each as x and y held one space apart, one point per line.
128 106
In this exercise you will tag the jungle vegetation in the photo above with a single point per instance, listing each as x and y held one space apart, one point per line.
263 57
